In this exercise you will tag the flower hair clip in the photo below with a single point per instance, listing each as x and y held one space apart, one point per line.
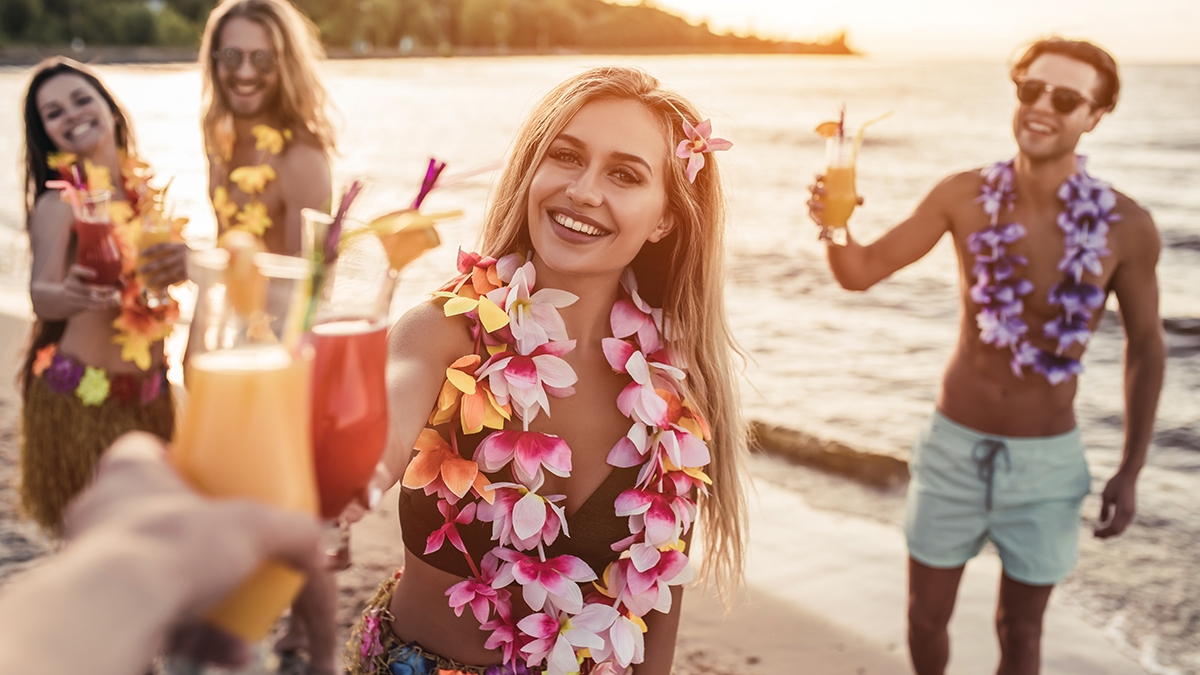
698 142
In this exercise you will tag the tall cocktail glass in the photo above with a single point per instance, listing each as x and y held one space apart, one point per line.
97 248
840 196
155 231
246 429
349 335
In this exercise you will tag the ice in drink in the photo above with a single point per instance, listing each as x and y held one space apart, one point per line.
349 408
245 433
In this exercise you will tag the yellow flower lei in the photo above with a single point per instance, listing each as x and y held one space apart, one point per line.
138 326
252 181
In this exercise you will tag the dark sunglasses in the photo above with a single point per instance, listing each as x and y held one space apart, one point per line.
231 58
1063 99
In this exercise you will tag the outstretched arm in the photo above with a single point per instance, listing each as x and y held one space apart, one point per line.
857 267
421 346
1136 287
145 554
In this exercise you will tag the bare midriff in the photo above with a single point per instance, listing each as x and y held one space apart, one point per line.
980 391
88 337
422 615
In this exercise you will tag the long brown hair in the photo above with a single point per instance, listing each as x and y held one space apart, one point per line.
38 148
303 101
683 273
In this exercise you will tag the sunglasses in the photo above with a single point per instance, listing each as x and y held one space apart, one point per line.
231 58
1064 100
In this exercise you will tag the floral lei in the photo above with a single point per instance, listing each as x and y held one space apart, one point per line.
138 325
1087 212
251 180
525 338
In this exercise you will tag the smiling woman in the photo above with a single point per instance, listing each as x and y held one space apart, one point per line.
599 285
95 368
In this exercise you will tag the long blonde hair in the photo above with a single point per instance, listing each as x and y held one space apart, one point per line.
683 274
303 101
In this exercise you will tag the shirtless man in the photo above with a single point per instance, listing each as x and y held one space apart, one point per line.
259 62
1001 458
265 118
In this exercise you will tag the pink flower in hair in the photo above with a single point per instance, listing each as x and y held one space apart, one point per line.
698 142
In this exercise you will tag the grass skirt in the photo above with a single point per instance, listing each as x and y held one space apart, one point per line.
61 440
374 649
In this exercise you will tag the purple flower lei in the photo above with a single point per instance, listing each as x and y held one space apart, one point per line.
1087 212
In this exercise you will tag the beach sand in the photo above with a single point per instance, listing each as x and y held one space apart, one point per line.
825 579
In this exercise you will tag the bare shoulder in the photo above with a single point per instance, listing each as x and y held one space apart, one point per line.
304 158
425 333
50 214
955 189
1134 234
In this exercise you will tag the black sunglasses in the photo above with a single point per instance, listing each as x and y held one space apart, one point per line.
231 58
1064 100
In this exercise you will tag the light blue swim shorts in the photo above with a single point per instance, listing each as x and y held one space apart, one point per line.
1024 494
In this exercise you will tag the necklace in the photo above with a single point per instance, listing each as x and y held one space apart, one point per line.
1087 212
525 338
252 181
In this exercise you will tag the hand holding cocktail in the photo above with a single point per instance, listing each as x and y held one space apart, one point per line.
834 196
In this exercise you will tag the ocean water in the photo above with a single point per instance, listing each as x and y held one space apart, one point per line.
862 368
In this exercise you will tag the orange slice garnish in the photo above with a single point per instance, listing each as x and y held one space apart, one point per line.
827 129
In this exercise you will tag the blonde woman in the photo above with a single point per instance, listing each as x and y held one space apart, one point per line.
560 542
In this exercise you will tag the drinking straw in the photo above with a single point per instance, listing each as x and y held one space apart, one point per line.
432 172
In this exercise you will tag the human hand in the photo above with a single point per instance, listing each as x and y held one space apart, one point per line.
83 295
203 547
815 204
1118 504
368 499
167 264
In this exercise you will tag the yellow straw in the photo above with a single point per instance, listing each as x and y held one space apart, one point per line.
858 138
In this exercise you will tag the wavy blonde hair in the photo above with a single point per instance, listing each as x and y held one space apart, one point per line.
684 274
303 101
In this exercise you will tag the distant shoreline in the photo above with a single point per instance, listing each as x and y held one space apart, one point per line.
30 55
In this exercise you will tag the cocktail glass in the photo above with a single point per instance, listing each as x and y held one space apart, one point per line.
154 231
349 324
246 429
840 197
97 248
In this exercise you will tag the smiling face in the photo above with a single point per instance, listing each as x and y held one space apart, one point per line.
76 117
599 193
248 89
1043 133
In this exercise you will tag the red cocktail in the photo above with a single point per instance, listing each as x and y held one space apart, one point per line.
349 408
97 248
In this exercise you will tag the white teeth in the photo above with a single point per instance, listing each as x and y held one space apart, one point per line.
81 128
575 225
1040 128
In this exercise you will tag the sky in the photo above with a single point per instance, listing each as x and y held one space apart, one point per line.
1132 30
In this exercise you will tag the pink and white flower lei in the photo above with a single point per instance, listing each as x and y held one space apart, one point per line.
571 631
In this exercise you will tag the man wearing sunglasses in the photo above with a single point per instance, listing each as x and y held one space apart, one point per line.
259 64
1041 245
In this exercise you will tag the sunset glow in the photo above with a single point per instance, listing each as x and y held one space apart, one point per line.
1156 31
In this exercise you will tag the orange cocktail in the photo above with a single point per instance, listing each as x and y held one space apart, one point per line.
245 433
840 196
